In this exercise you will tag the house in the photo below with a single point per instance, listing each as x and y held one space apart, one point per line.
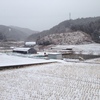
25 50
30 44
55 56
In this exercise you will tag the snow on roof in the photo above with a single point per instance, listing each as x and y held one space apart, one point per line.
30 43
54 53
21 49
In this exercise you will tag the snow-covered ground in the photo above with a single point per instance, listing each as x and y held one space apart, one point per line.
75 80
10 60
93 48
56 81
96 60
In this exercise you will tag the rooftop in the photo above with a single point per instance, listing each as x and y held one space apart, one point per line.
21 49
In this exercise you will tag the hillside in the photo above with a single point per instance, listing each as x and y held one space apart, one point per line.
90 26
25 30
65 38
14 33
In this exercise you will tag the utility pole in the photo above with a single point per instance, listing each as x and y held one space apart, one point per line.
69 16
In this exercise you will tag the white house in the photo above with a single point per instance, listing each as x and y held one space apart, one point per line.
30 44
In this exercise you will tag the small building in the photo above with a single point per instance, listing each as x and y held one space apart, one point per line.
68 49
25 50
55 56
30 44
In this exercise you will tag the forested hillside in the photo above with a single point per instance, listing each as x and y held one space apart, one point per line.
12 33
90 26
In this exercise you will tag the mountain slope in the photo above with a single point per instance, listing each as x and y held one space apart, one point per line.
24 30
90 25
12 33
65 38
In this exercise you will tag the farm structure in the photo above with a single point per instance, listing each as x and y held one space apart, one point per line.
55 56
30 44
25 50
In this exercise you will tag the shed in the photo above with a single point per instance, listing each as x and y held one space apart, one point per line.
55 56
25 50
30 44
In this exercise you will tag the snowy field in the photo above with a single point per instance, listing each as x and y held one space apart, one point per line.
56 81
11 60
93 48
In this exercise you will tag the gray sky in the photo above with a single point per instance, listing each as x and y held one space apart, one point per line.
43 14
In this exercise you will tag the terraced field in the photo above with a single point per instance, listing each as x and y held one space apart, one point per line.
56 81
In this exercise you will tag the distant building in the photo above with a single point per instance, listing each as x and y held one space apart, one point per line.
25 50
55 56
30 44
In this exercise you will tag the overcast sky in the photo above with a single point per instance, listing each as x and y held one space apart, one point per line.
43 14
